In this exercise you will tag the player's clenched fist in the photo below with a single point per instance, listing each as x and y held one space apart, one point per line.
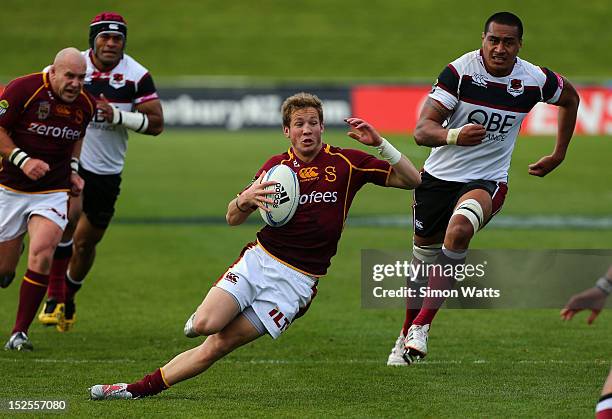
104 108
35 168
471 134
544 166
76 184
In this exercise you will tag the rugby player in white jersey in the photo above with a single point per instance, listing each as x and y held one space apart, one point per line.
127 100
471 120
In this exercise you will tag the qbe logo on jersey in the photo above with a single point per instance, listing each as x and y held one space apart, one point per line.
497 124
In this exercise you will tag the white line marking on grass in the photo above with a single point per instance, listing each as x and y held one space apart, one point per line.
70 361
552 221
321 361
527 221
431 362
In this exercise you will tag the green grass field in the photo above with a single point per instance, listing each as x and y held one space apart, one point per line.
149 277
340 40
157 261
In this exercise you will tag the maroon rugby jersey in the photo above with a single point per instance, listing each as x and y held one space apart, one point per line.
328 185
45 127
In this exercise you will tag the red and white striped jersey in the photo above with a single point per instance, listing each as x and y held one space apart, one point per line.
125 86
499 103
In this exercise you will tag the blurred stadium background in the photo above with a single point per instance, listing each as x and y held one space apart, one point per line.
169 242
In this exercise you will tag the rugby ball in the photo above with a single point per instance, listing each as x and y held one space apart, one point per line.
286 195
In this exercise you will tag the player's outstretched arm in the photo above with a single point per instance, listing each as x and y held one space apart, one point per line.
403 174
429 131
568 109
592 299
239 208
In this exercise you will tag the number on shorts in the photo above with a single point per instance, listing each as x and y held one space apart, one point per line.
279 318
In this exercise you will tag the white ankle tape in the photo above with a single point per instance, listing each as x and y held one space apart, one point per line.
453 254
428 253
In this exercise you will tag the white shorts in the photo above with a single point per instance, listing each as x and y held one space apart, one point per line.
275 292
17 208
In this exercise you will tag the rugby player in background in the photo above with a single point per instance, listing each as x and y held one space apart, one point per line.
43 118
126 100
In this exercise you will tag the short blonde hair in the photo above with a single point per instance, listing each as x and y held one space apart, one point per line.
300 100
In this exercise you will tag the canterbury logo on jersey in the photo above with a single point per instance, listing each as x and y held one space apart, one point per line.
280 195
62 110
317 197
231 277
308 173
55 132
479 80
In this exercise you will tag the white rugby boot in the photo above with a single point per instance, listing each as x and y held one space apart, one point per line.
18 341
396 357
416 342
109 392
188 330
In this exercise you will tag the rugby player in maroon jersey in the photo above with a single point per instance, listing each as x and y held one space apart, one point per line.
43 119
274 279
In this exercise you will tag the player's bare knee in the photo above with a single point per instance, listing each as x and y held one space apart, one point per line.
40 257
458 235
205 326
83 247
467 219
460 231
40 263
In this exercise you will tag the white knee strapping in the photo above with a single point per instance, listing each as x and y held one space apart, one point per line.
471 209
426 253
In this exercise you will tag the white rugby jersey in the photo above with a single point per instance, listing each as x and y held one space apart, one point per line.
499 103
126 85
